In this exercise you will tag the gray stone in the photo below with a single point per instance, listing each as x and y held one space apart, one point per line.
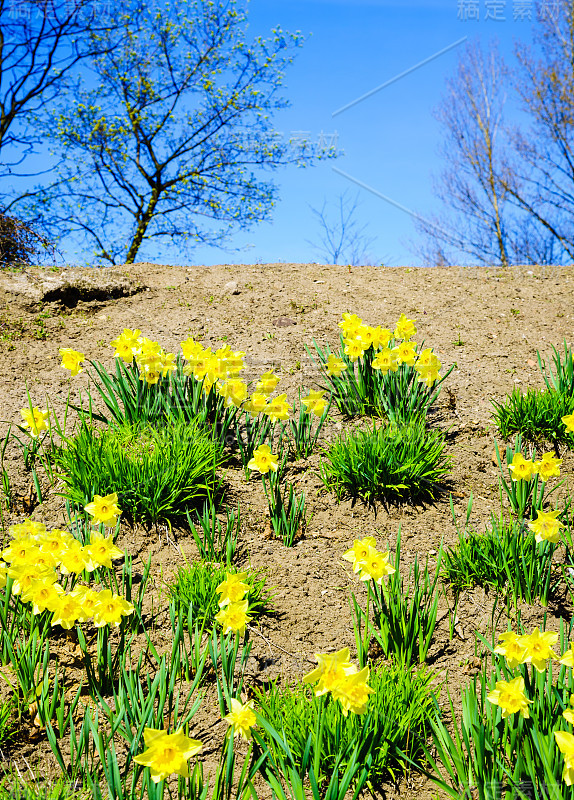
231 288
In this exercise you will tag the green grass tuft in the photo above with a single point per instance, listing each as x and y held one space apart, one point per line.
194 590
397 718
536 414
157 473
387 462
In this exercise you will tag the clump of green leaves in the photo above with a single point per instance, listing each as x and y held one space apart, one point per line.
480 754
560 378
387 462
536 414
286 509
156 473
194 591
216 540
404 612
317 734
506 558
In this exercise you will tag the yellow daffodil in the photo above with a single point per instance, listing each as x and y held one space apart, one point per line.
548 466
166 364
256 403
35 420
191 349
568 715
234 390
234 617
359 551
126 344
405 328
406 353
216 370
46 560
87 599
241 718
428 359
364 334
233 588
74 560
568 420
101 550
263 460
511 648
568 657
565 742
331 669
546 527
267 383
353 692
385 360
27 528
67 610
23 574
509 695
147 350
104 509
335 366
375 566
167 753
428 374
110 609
521 469
234 363
43 595
200 364
71 360
151 374
55 542
538 647
380 337
278 408
315 403
21 551
354 348
350 324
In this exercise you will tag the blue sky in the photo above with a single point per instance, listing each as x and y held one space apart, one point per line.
390 140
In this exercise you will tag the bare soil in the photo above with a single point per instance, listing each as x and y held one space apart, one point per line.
490 323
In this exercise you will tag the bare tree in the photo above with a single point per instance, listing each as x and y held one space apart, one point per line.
342 238
42 43
472 118
541 184
508 190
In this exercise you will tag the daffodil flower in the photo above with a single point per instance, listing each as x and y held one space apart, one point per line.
167 753
241 718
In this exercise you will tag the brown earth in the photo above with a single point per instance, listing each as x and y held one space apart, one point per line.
488 322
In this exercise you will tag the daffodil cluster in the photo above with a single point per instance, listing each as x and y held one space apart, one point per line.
233 604
523 469
347 684
536 649
390 348
367 561
32 560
